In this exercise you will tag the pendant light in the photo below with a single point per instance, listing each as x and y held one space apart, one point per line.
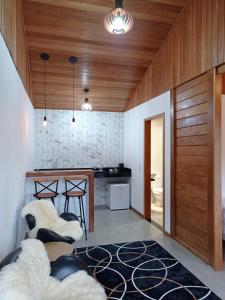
86 106
73 61
45 58
118 21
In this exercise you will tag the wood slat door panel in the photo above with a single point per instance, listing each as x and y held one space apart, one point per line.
192 121
190 84
192 179
192 130
196 100
193 220
192 190
191 199
193 91
196 239
192 111
192 140
192 151
193 170
201 161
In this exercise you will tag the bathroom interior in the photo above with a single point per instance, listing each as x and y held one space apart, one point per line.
157 156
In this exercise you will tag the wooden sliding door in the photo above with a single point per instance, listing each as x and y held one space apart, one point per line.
197 221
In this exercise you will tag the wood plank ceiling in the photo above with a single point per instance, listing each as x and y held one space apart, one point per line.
110 66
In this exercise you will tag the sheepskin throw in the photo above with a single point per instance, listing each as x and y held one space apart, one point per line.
46 217
28 279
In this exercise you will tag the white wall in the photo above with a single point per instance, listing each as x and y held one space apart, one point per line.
96 140
16 149
134 149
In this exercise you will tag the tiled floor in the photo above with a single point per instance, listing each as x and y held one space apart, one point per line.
126 226
157 214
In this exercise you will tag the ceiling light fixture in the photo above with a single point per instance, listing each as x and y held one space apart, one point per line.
86 106
73 61
118 21
45 58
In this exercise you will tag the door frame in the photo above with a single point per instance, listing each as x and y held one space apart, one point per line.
147 169
216 91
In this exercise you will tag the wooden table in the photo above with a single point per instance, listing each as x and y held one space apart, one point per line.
58 249
62 173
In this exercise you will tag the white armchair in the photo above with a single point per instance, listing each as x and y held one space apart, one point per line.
27 275
45 224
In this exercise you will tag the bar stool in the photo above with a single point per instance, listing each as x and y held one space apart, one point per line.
46 187
76 188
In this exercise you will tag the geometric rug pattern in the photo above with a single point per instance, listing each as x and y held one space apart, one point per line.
142 270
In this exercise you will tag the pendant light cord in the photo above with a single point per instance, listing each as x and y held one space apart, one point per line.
45 88
73 87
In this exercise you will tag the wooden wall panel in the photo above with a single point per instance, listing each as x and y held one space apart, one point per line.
8 24
195 44
192 197
12 29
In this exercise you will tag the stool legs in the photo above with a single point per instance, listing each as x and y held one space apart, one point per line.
80 210
82 216
66 205
53 201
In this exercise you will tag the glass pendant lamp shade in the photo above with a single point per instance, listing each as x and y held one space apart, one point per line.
86 106
118 21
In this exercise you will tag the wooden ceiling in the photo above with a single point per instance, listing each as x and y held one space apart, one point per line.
110 66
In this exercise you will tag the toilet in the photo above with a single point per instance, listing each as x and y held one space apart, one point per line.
157 196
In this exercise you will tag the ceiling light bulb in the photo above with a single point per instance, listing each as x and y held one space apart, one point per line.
45 122
118 21
118 25
86 106
73 122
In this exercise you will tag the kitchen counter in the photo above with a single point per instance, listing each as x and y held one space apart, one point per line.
97 176
98 172
66 172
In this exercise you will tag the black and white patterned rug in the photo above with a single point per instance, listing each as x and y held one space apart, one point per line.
142 270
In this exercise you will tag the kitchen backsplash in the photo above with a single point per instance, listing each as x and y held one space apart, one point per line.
96 140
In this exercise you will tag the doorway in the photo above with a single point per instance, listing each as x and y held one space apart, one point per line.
154 145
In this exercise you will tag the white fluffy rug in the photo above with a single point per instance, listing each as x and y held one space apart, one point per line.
28 279
46 217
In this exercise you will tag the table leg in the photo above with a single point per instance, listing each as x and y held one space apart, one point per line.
91 202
